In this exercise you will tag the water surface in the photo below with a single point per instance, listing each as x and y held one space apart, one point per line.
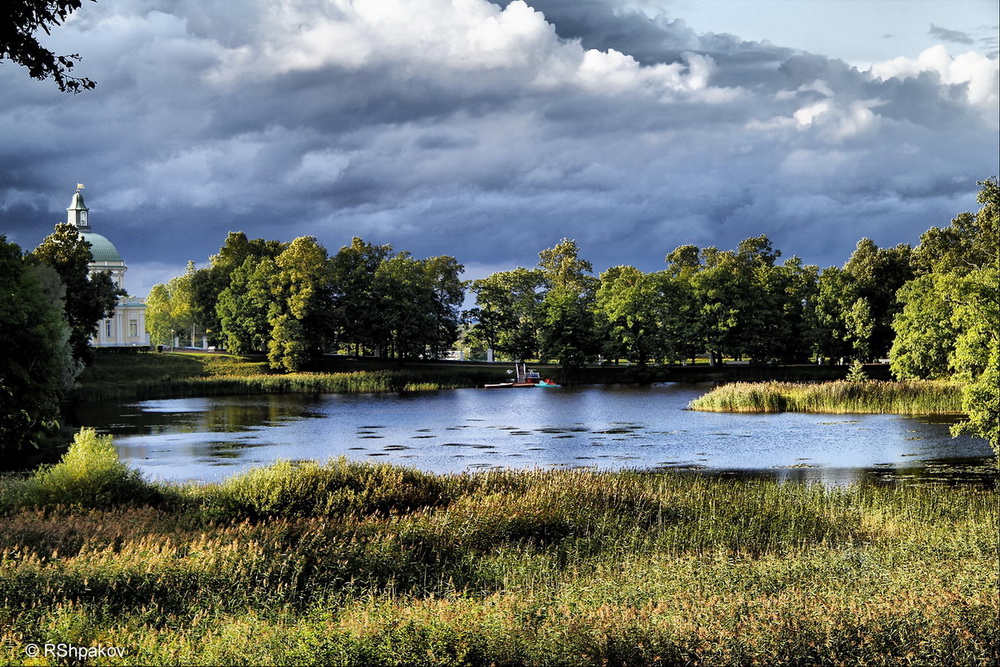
603 427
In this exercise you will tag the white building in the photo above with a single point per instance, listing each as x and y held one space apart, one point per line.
128 324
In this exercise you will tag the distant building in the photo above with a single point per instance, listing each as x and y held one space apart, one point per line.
127 326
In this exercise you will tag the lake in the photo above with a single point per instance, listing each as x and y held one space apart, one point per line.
605 427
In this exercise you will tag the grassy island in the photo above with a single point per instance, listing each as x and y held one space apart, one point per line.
840 397
360 564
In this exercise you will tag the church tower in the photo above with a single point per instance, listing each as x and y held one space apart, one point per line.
76 214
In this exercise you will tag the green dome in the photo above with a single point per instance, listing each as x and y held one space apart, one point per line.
102 249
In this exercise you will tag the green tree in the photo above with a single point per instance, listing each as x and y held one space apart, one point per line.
508 313
37 366
159 322
924 345
447 295
299 312
171 310
406 306
876 275
568 329
207 284
831 336
89 297
631 309
244 308
355 298
18 42
952 312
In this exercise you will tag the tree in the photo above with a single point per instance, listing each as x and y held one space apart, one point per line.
37 366
631 309
876 275
171 310
924 345
207 284
245 306
951 312
24 18
299 313
159 321
568 332
508 313
448 293
355 300
89 297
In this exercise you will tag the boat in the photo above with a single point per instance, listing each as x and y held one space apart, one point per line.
523 378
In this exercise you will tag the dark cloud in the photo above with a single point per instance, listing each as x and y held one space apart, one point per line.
484 132
954 36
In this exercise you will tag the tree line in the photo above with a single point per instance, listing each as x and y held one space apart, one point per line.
294 301
931 309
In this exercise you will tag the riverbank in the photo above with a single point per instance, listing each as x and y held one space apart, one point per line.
125 375
929 397
358 564
147 375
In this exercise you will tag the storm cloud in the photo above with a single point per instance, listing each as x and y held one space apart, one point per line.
487 131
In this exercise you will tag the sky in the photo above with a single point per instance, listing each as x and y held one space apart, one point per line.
491 130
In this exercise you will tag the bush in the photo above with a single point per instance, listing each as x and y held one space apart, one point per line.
89 475
339 488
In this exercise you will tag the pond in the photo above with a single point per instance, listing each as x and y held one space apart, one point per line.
604 427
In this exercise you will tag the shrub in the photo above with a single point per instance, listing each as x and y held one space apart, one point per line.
88 475
338 488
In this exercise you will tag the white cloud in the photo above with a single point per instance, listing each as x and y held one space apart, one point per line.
971 69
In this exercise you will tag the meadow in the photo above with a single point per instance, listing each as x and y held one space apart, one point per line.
360 564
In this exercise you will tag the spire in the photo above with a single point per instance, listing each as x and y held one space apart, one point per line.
77 211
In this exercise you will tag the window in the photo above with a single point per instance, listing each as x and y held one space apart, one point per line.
107 328
133 329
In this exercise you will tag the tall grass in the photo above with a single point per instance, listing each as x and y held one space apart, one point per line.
868 397
149 375
90 475
354 564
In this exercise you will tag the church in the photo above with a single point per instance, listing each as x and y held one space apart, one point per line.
127 326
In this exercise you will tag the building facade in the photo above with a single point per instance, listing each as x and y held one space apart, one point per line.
127 326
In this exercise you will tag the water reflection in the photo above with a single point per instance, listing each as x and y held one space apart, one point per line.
595 427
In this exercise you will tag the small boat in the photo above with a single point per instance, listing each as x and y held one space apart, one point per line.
522 378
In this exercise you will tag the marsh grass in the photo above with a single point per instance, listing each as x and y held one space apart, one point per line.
90 475
356 564
841 397
151 375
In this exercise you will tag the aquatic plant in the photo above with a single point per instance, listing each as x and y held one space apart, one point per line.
860 397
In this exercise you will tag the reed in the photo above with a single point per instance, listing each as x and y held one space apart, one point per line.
89 475
149 375
358 564
840 397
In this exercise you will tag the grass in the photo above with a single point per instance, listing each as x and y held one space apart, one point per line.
358 564
867 397
165 375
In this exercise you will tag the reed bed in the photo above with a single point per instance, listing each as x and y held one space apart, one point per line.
358 564
840 397
357 382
